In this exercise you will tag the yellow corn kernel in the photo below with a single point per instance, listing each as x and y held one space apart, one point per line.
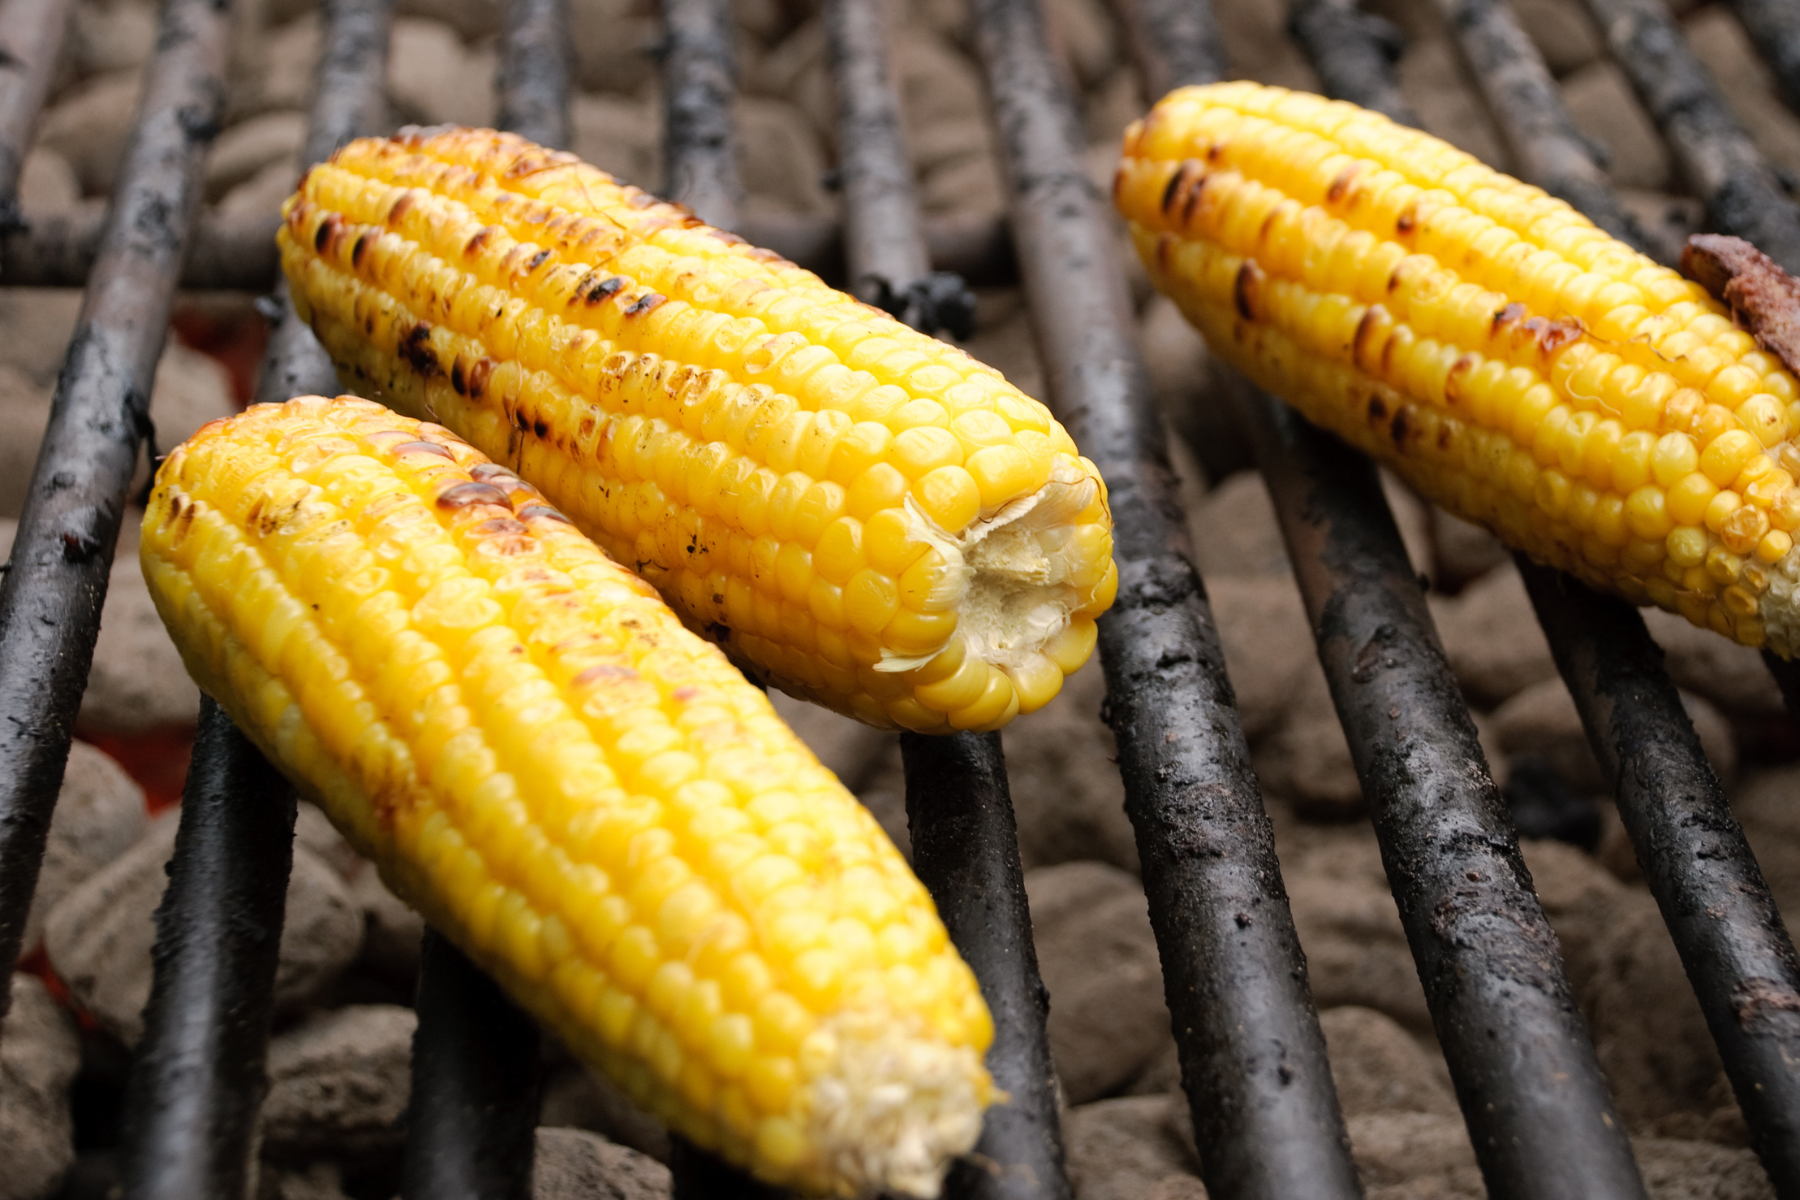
1505 357
1687 546
703 410
515 755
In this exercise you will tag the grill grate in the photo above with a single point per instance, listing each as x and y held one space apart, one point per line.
1253 1061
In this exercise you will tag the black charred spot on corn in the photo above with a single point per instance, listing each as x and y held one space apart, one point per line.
461 495
1401 427
1367 327
1458 379
1195 191
459 382
537 260
360 248
1446 432
543 510
478 375
479 240
1552 335
327 232
1508 315
415 348
1341 184
601 288
644 303
1172 189
1215 151
1377 410
541 428
1165 251
1246 289
1407 221
401 206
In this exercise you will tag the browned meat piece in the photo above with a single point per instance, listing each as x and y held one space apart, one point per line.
1764 298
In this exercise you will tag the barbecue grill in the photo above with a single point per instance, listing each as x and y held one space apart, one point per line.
1265 1114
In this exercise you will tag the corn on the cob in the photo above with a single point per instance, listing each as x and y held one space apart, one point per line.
585 796
1512 362
862 515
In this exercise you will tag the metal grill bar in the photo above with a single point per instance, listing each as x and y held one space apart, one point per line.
1706 882
238 253
1354 53
883 247
964 840
699 77
1173 42
888 264
1540 1115
1531 116
348 100
966 851
1719 161
60 249
474 1108
1667 794
1774 29
1253 1059
50 600
198 1082
31 34
534 72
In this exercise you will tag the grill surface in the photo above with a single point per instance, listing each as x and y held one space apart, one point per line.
1253 1062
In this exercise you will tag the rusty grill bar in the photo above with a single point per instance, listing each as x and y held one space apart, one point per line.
1253 1062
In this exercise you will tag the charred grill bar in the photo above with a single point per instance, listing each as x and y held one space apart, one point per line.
473 1115
348 101
198 1082
1354 53
1252 1056
965 844
699 78
1721 164
50 600
1706 882
1732 942
534 72
1530 113
966 851
31 33
1540 1115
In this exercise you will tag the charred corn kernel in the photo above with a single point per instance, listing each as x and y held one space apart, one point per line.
708 413
587 798
1509 360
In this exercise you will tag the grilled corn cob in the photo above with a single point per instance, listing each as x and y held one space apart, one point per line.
860 514
587 798
1512 362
